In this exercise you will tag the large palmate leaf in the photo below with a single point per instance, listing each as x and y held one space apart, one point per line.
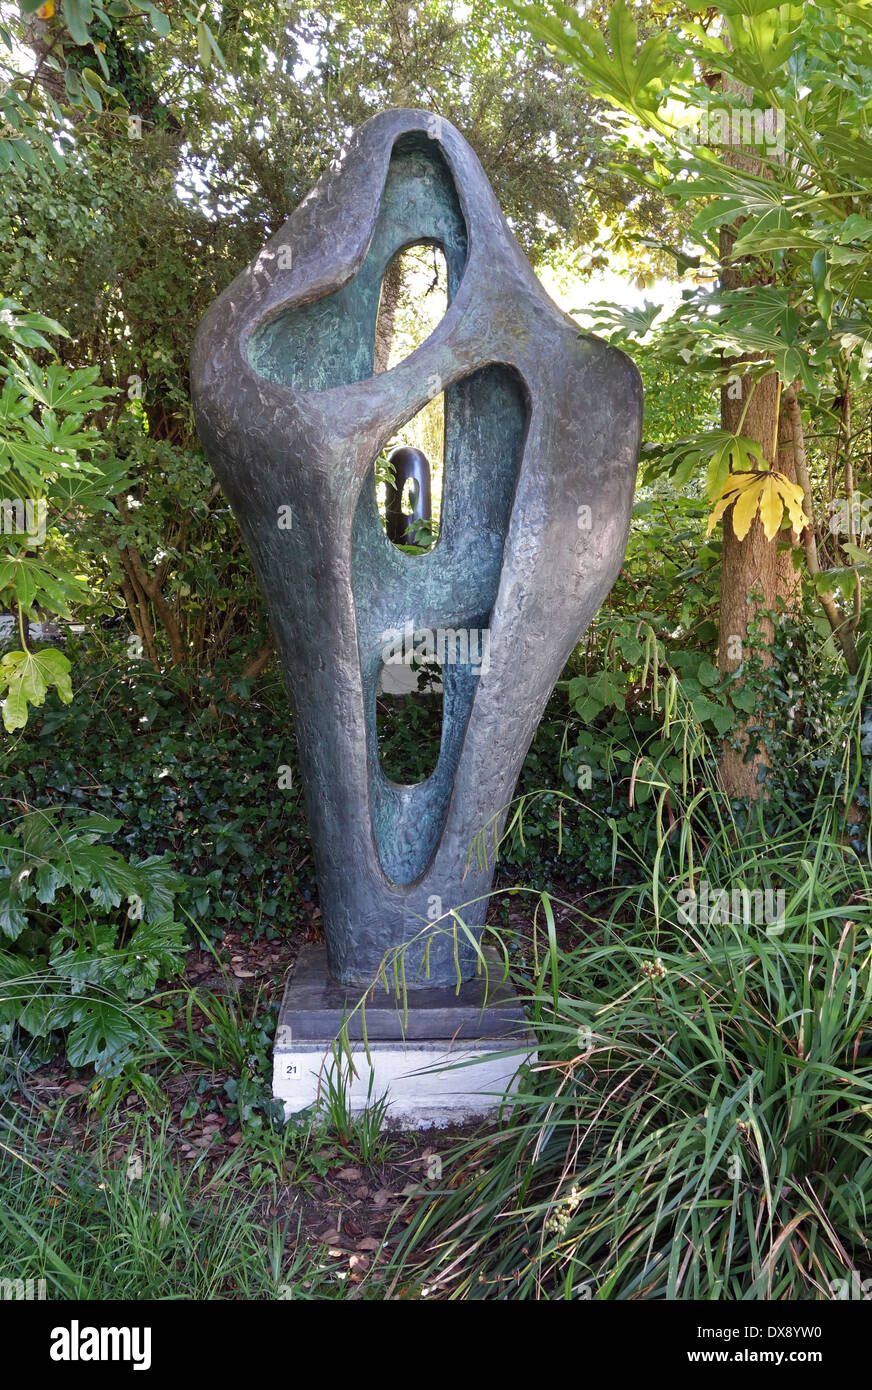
718 450
769 493
620 321
632 75
103 1032
26 678
26 329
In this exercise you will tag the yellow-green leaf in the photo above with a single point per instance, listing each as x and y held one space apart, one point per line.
735 484
792 496
771 508
26 676
745 508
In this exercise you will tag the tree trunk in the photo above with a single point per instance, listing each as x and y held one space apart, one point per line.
842 629
748 587
387 312
788 577
748 567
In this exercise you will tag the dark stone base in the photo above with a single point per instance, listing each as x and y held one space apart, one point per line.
314 1007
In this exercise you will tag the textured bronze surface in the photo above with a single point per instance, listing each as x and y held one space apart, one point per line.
541 443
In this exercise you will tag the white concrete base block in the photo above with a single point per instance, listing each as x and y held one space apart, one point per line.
425 1083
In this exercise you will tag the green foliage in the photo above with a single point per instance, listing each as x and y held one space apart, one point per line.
129 1214
82 933
796 291
203 788
409 730
33 116
634 79
26 677
641 711
53 475
697 1123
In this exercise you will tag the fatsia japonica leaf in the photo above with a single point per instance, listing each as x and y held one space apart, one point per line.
103 1032
775 230
735 193
620 321
730 452
768 494
820 279
94 491
850 153
33 582
632 76
59 388
26 677
26 329
719 450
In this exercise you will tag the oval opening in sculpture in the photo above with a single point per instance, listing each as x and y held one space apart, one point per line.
409 720
447 594
330 341
409 470
412 302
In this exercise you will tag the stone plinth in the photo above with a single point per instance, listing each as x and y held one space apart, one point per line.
450 1056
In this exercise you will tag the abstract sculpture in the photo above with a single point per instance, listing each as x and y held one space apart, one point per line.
542 427
410 466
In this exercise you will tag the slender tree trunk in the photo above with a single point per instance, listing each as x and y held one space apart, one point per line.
387 313
788 576
841 626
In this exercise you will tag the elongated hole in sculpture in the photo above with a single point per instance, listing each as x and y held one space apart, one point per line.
414 297
330 341
409 711
450 593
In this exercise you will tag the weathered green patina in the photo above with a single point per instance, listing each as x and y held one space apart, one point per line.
541 442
